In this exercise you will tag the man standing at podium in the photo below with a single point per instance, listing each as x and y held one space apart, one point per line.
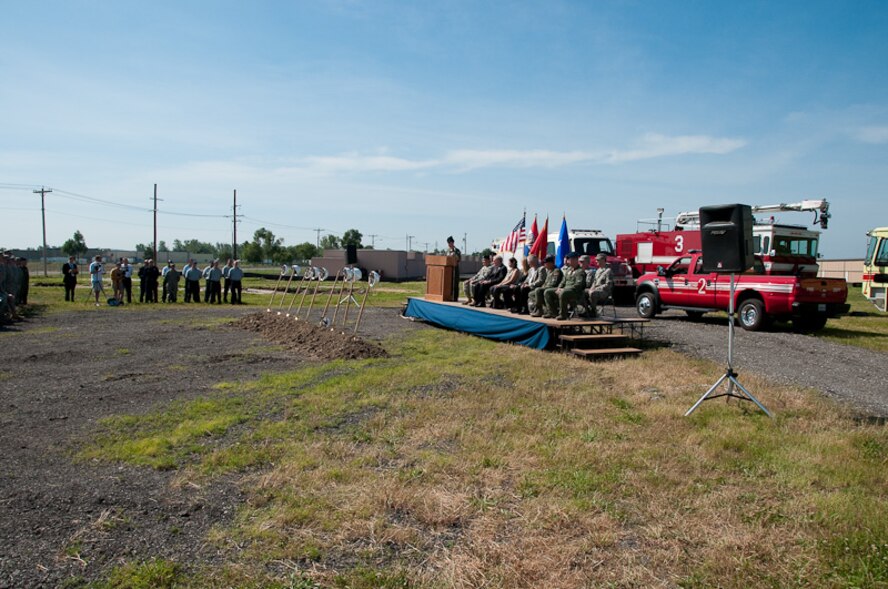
452 250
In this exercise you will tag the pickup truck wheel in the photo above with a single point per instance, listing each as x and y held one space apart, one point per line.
646 305
809 323
752 315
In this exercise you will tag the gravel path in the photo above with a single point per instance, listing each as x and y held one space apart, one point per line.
850 375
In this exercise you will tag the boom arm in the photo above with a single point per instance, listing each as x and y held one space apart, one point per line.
820 208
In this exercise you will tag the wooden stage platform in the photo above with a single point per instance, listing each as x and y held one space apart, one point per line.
603 337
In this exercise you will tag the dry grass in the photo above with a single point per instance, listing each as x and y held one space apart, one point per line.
460 463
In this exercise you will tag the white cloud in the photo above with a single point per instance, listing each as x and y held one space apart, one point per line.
653 145
364 163
872 134
463 160
470 159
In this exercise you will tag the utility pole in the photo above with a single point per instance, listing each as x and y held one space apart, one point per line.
465 247
318 231
155 223
373 237
410 241
234 217
43 191
426 250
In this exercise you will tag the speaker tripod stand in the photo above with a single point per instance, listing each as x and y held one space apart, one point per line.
729 376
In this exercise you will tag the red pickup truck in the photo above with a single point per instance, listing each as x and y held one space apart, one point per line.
759 298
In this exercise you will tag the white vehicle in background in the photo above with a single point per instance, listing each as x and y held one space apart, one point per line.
875 268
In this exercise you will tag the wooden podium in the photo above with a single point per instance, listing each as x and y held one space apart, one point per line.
439 277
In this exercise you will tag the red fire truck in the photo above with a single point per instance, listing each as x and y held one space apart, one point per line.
760 298
782 248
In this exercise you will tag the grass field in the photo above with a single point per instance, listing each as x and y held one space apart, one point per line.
457 462
47 296
865 326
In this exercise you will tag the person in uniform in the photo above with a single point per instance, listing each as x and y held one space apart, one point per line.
601 286
553 279
69 277
25 281
480 275
127 269
236 275
214 282
453 251
536 277
482 287
206 275
164 294
143 277
568 292
152 280
171 278
226 281
192 283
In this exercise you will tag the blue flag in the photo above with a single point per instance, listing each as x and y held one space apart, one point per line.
563 246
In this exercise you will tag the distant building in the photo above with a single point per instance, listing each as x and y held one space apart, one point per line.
392 265
851 270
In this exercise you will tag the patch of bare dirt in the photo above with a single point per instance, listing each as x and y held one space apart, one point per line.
307 340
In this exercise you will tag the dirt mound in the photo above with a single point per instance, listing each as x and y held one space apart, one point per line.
307 339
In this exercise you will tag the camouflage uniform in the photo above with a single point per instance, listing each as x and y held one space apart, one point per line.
537 295
479 276
571 286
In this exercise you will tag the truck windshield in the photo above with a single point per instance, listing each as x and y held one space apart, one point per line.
882 255
592 246
795 246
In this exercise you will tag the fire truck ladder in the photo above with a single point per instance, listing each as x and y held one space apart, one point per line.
819 207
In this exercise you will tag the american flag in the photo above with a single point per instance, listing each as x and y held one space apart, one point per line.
518 235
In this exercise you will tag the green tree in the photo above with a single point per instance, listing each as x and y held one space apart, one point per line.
352 237
163 246
76 246
251 252
330 242
304 251
268 243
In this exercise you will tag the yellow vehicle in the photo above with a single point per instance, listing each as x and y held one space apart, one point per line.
875 268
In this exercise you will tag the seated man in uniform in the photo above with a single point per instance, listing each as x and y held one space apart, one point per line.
537 295
569 291
601 287
469 284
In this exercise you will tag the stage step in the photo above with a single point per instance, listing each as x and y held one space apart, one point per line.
604 352
591 338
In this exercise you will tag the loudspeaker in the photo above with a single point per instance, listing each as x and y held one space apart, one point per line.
351 254
726 236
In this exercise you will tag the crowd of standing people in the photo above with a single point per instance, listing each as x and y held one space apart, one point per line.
154 281
14 285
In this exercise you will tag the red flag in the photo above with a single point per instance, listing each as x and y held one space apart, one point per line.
541 244
533 235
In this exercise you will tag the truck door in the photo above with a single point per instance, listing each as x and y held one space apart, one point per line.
673 284
702 285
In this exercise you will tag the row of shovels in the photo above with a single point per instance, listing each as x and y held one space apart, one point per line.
347 280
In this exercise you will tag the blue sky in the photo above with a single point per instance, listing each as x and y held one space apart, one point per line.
436 118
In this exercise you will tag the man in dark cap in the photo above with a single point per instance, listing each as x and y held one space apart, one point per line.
553 279
453 251
569 291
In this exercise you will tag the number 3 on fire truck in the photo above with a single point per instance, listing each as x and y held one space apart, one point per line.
679 243
701 286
